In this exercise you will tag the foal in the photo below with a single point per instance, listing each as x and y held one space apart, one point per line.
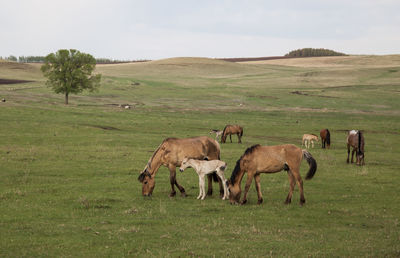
218 133
309 138
203 168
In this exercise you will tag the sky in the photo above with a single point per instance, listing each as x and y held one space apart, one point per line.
155 29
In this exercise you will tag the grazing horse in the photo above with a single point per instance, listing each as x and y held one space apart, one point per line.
171 153
355 139
307 139
203 168
232 129
270 159
325 138
218 133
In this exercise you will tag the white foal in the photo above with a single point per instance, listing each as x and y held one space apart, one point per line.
218 133
309 138
204 167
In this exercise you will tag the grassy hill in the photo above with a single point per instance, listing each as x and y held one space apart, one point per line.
68 178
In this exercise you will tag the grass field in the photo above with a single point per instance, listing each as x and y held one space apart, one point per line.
68 174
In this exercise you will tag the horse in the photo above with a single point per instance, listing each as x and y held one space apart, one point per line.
259 159
171 153
218 133
307 139
203 168
325 138
355 139
232 129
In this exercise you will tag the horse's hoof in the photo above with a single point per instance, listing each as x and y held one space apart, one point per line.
288 201
302 202
243 202
209 193
260 201
172 194
183 194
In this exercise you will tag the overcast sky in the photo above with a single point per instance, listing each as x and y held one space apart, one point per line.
155 29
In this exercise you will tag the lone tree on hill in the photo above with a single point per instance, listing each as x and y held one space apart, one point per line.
70 72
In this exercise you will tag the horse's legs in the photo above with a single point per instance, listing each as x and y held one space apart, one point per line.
239 138
348 153
352 155
258 188
202 187
172 179
210 190
312 143
220 174
296 174
250 176
292 182
230 137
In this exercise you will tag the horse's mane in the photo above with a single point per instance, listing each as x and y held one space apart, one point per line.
155 152
223 131
236 170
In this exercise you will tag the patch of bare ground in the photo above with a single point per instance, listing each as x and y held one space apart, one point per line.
312 95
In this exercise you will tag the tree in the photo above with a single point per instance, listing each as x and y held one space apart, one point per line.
70 72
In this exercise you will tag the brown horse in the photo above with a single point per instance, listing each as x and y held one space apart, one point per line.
270 159
355 139
325 138
232 129
171 153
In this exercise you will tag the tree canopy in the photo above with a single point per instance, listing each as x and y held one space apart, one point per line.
307 52
70 72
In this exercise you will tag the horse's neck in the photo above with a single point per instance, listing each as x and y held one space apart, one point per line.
195 165
239 177
155 162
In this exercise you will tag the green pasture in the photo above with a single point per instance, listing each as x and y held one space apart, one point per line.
68 174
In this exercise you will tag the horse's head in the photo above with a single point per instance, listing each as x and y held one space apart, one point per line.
185 164
148 182
234 192
360 158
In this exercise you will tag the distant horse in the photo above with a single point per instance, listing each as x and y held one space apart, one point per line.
307 139
270 159
218 133
325 138
171 153
203 168
355 139
232 129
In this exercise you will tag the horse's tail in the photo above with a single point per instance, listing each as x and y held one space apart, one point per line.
328 137
359 143
223 136
311 162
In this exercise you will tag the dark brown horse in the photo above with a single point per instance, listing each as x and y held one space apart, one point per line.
355 139
325 138
232 129
171 153
270 159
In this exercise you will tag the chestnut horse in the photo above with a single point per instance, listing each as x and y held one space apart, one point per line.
232 129
171 153
325 138
355 139
270 159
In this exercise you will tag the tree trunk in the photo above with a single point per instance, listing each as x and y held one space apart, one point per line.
66 98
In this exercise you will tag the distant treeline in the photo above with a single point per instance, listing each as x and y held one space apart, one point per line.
308 52
40 59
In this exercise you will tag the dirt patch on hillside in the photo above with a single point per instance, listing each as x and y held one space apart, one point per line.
11 81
